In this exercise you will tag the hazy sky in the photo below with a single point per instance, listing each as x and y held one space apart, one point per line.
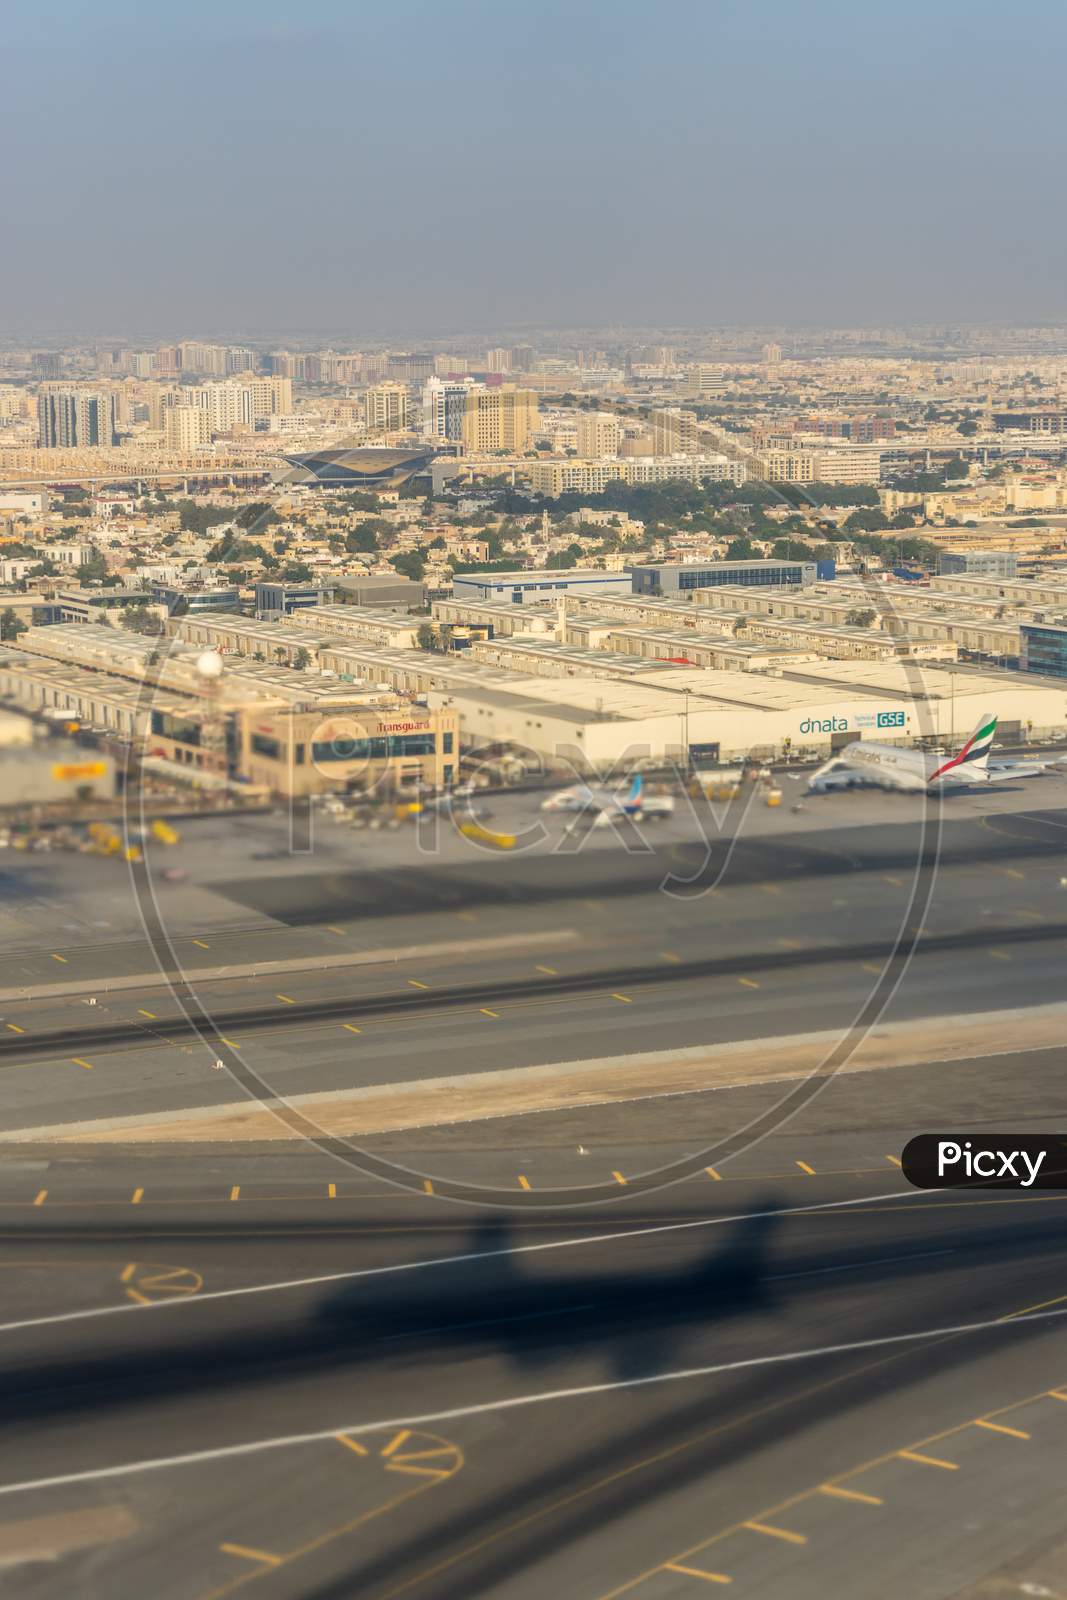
417 165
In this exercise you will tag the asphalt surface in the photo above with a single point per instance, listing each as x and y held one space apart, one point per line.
788 1376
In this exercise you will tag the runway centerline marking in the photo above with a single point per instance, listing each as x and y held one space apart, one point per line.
540 1397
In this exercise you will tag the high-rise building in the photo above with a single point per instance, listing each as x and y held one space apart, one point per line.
187 427
674 431
75 418
709 380
522 358
443 407
599 434
772 354
387 408
498 361
499 419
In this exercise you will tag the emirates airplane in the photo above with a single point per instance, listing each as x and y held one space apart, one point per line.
884 766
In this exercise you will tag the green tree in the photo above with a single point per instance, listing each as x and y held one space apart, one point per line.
11 624
426 638
860 618
302 660
139 619
410 564
742 550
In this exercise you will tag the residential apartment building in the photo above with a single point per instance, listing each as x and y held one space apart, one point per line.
500 419
75 418
553 478
387 408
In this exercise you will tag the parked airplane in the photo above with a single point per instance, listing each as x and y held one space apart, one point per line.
605 806
883 766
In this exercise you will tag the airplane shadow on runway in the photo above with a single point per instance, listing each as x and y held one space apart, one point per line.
631 1320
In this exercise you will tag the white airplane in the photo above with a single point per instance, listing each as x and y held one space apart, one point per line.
605 806
883 766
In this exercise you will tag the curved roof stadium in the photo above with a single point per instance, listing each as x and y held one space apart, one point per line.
366 468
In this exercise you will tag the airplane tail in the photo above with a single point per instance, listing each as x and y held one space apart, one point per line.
972 762
636 795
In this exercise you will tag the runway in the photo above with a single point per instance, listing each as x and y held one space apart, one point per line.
256 1367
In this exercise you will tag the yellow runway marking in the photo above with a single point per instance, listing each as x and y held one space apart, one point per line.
395 1443
803 1165
288 999
669 955
59 958
136 1197
869 966
999 955
695 1572
524 1182
713 1174
78 1062
850 1494
415 984
898 883
352 1444
41 1197
331 1191
618 1177
248 1554
485 1011
999 1427
235 1192
150 1014
351 1027
549 972
894 1159
202 943
15 1028
624 999
427 1186
749 983
928 1461
231 1042
127 1272
776 1533
1042 1305
1012 872
1053 1394
339 931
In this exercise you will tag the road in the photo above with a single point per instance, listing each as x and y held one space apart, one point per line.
259 1367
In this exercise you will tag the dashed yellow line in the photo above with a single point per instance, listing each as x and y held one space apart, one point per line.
1042 1305
136 1197
785 1534
248 1554
14 1027
351 1027
231 1042
998 955
713 1174
695 1572
999 1427
549 972
897 883
415 984
870 966
485 1011
1012 872
331 1191
41 1197
202 943
287 998
895 1160
748 983
427 1186
669 955
928 1461
623 999
524 1182
838 1493
338 931
55 957
78 1062
803 1165
619 1178
235 1192
395 1443
149 1014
